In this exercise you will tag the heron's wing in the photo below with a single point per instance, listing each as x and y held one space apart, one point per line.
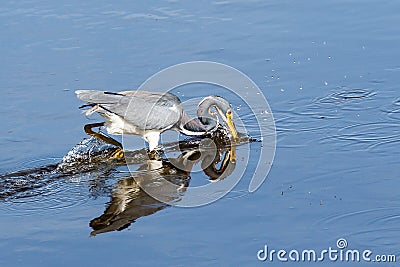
146 110
150 110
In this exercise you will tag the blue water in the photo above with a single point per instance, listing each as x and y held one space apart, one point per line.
330 71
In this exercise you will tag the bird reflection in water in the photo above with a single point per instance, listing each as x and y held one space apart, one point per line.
129 200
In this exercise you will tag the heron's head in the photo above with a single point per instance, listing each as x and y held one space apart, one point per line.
209 109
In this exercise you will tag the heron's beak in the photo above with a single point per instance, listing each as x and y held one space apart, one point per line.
231 125
228 119
232 129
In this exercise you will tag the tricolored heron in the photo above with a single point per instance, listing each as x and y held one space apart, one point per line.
148 114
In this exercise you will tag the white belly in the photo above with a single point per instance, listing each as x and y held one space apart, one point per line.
117 125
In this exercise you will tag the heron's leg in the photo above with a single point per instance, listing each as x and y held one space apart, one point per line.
155 154
118 153
107 139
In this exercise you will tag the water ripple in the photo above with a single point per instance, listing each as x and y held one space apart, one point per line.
348 99
323 113
38 189
332 117
372 216
52 197
369 135
393 110
345 95
375 224
234 194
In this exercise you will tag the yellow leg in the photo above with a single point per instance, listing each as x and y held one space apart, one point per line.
154 155
107 139
118 153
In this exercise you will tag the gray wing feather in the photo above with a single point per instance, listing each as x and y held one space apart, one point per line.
146 110
97 97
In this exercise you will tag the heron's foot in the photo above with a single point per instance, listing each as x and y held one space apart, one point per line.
154 154
118 153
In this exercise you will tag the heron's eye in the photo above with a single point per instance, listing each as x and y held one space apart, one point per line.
229 112
212 110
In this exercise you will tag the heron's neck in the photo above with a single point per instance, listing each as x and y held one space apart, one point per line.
193 127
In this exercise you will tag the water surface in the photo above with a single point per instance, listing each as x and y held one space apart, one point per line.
329 69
